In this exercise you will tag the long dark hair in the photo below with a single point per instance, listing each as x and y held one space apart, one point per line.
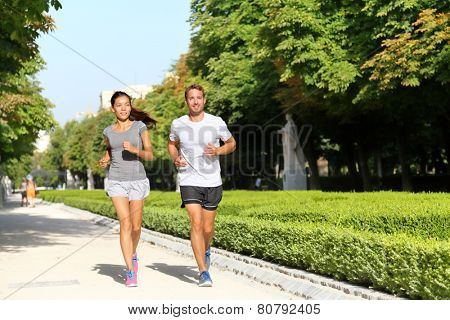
135 114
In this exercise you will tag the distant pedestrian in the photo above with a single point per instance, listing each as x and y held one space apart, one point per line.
128 142
258 183
31 191
23 192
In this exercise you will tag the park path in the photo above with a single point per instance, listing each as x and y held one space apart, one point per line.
47 252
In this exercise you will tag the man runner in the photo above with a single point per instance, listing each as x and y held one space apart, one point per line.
194 148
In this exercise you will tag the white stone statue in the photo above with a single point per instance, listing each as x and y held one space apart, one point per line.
294 177
70 180
90 179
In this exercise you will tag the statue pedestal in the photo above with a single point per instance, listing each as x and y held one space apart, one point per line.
294 180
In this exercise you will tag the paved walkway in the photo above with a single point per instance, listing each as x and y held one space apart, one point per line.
49 253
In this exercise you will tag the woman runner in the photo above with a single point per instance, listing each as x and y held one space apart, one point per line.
128 142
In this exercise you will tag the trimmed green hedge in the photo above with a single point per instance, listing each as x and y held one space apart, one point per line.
395 242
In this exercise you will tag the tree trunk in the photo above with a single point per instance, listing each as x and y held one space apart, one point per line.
2 197
314 170
233 180
447 152
423 162
351 164
364 169
379 165
437 163
404 165
445 122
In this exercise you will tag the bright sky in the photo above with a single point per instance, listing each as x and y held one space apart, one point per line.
137 41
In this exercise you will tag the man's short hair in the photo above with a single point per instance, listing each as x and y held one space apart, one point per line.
196 87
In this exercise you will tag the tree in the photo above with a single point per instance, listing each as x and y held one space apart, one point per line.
414 56
325 62
411 74
17 168
78 154
326 44
95 149
22 22
23 111
77 147
23 114
242 85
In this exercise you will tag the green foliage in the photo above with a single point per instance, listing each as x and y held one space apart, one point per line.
17 168
329 64
370 76
396 242
420 216
310 39
97 147
412 57
22 22
222 52
78 146
401 265
23 110
53 156
79 155
23 114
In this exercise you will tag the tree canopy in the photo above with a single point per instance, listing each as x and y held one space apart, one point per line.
23 110
370 77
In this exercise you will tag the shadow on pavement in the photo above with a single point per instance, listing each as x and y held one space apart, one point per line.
187 274
20 228
114 271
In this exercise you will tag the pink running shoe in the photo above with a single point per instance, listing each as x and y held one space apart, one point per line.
131 279
134 261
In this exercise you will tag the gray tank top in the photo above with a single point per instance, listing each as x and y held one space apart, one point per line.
125 166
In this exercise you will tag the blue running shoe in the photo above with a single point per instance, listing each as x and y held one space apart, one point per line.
205 279
208 258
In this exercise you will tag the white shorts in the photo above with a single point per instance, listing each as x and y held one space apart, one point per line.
133 190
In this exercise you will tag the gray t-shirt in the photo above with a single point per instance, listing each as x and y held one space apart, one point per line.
125 166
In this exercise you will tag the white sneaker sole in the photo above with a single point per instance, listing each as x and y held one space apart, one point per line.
131 285
205 284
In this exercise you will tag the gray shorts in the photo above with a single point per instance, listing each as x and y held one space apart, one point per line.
133 190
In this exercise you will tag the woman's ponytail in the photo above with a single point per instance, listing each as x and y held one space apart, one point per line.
140 115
